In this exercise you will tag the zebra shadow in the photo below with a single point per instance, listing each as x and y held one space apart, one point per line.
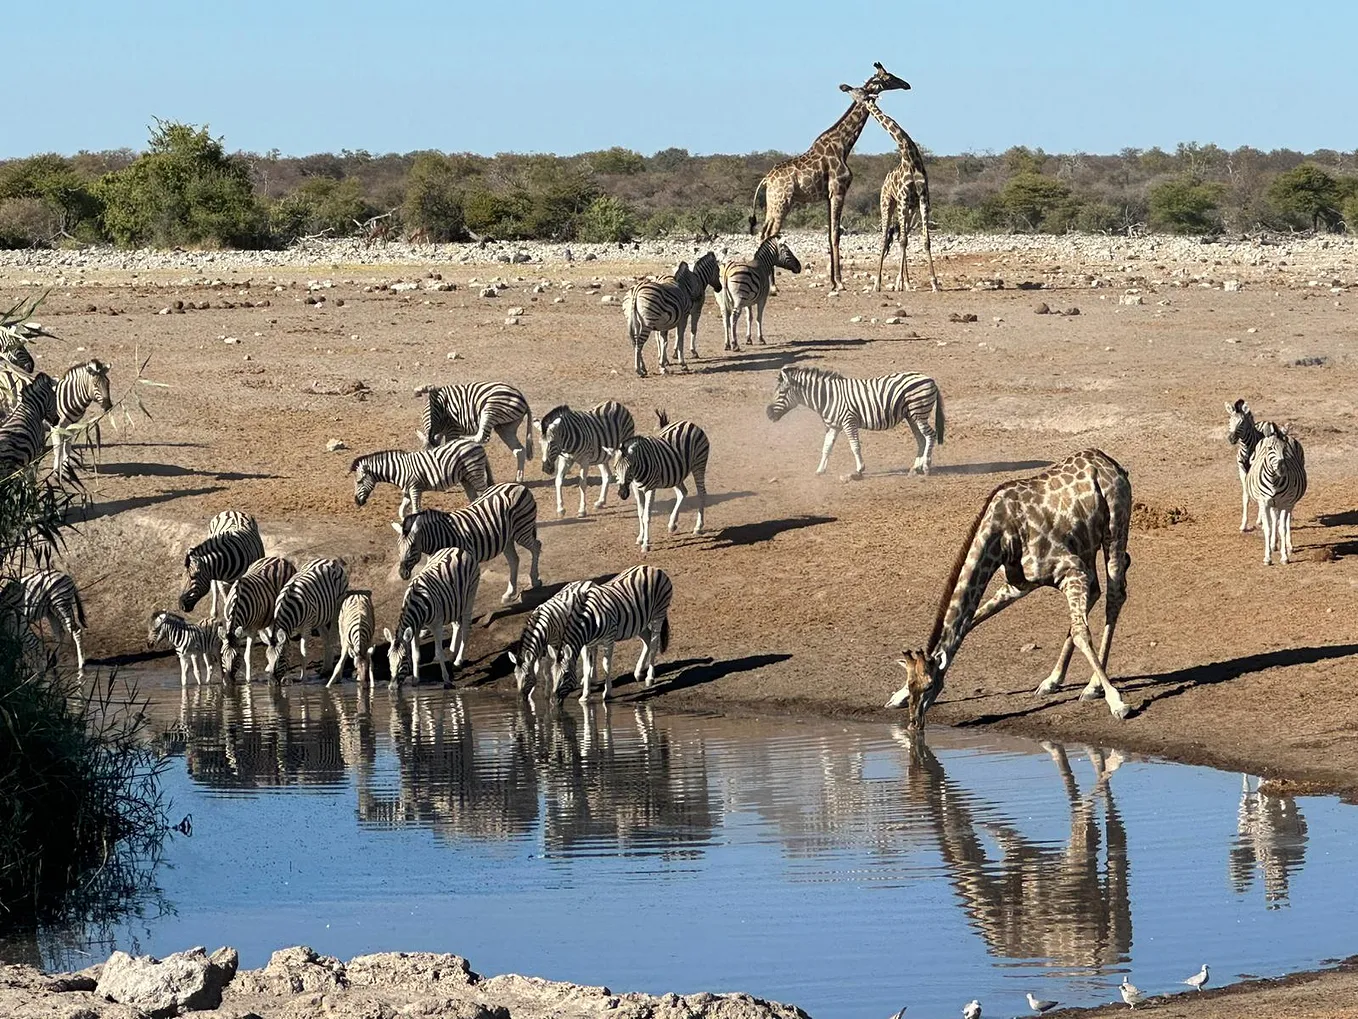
764 530
160 470
763 361
992 467
691 672
531 597
96 511
1349 518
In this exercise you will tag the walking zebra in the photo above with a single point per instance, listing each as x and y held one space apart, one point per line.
443 594
504 516
222 558
52 596
584 438
745 287
1276 482
664 461
474 410
1243 433
191 642
635 603
248 610
80 386
460 462
355 636
309 601
543 632
655 306
875 404
23 435
694 282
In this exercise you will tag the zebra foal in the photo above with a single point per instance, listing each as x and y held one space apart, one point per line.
665 460
233 543
79 388
443 594
633 604
876 404
248 610
657 306
460 462
310 600
355 636
52 596
543 632
473 411
584 438
745 286
191 642
1276 482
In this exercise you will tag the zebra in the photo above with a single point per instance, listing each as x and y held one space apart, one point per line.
502 517
1243 433
664 461
635 603
584 438
745 287
443 594
79 387
222 558
53 596
875 404
460 462
229 520
248 609
192 642
355 636
543 632
656 306
1276 482
309 601
474 410
693 281
23 435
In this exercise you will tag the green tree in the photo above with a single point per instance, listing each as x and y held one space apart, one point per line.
64 195
433 198
1186 205
1309 193
617 161
607 219
320 205
1028 200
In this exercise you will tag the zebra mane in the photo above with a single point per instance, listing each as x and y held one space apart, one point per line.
410 519
93 366
802 373
546 420
956 570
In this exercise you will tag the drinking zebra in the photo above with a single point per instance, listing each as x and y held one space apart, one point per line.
1243 433
745 287
474 411
503 517
692 281
655 306
585 438
460 462
443 594
355 636
543 632
635 603
52 596
225 555
875 404
309 601
80 386
191 642
1276 482
23 435
664 460
248 609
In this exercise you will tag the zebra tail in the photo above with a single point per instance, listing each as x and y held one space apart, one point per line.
635 329
80 611
754 203
938 416
490 478
528 440
665 634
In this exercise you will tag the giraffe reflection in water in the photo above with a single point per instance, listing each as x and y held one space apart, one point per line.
1270 838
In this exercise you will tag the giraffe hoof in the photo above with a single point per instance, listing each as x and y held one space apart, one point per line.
1047 687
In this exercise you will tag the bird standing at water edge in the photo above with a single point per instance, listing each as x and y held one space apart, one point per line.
972 1010
1039 1006
1198 980
1131 994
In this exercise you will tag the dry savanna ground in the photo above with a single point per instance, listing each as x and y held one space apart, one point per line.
802 590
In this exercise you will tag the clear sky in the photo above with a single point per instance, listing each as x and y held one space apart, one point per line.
731 76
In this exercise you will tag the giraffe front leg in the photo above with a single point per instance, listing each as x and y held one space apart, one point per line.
928 244
831 434
903 274
1077 588
852 432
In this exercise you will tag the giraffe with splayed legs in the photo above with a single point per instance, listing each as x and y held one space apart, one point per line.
822 171
905 194
1043 531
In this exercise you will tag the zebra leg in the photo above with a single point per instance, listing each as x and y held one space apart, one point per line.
679 343
1244 500
925 439
831 434
339 669
920 446
662 341
586 672
79 650
1285 534
183 669
644 659
509 435
604 479
1266 518
249 644
728 327
852 432
512 558
700 484
463 626
584 489
679 493
763 301
638 345
561 464
606 656
642 513
439 655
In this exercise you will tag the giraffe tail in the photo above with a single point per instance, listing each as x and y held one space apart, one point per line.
938 417
754 203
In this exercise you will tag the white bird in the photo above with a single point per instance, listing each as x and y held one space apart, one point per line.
1131 994
972 1010
1039 1006
1198 980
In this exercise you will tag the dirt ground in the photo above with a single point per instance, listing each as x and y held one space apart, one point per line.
803 590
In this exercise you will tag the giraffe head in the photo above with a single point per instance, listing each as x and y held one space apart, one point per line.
883 80
860 95
923 681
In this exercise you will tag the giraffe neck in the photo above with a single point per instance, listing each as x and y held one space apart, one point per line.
842 135
975 566
893 129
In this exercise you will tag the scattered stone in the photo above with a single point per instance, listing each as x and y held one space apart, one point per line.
988 284
1131 299
90 309
558 300
401 288
1071 311
512 320
163 311
590 256
1028 648
1042 309
894 320
230 339
335 445
1251 330
608 299
489 292
520 256
956 317
1309 362
856 319
452 355
1232 340
1232 286
516 310
185 981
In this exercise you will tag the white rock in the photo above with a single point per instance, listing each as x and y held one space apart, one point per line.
489 292
558 300
608 299
1231 286
894 320
856 318
185 981
335 445
512 320
1131 299
452 355
516 310
231 339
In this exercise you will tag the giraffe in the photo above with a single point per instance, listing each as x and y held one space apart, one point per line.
822 170
906 186
1043 531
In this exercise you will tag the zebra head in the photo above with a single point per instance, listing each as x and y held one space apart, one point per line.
622 465
435 424
923 682
364 480
199 581
708 270
786 396
1241 422
786 259
276 655
411 544
398 654
155 633
96 384
549 429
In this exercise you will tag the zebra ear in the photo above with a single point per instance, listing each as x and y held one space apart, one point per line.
397 528
423 439
386 634
513 658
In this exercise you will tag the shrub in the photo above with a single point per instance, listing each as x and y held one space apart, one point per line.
27 223
433 199
617 161
1309 194
607 219
1186 205
319 205
1027 200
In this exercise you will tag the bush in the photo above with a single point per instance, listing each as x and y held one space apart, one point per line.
606 219
1028 200
319 205
64 193
27 223
433 199
540 197
1308 194
1186 205
617 161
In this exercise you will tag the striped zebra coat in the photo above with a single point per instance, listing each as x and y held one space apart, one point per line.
52 596
248 610
309 601
635 603
543 632
503 517
1244 434
694 281
443 594
473 411
221 559
876 404
745 287
584 438
664 460
80 387
355 637
657 306
23 435
1276 482
460 462
191 642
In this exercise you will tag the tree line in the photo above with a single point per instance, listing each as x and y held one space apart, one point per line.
186 189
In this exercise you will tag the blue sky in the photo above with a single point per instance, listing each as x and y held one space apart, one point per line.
309 76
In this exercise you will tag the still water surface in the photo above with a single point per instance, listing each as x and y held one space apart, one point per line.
825 863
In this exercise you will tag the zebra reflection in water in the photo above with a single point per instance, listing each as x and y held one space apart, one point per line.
1270 839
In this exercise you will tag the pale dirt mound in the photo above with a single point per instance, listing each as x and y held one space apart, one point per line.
1146 517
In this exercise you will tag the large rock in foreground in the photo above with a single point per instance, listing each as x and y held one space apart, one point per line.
185 981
